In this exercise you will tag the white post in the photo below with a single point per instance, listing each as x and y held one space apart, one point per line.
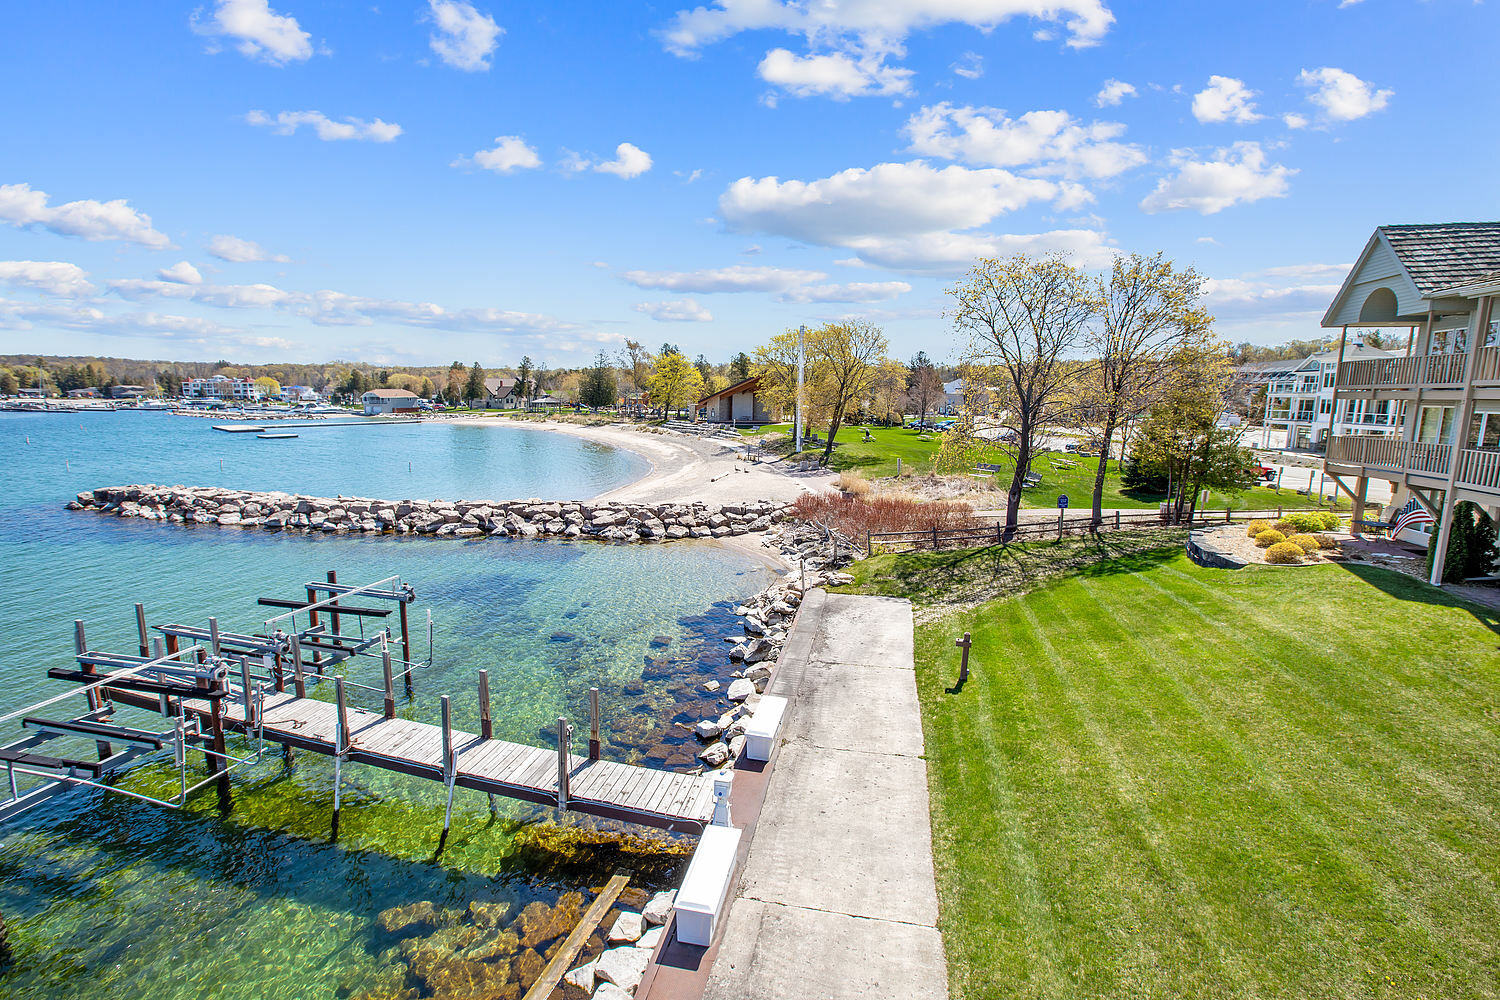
801 371
723 781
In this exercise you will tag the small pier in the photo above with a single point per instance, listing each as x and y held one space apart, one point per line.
205 683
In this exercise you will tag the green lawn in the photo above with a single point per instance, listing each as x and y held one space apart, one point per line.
1166 781
1061 473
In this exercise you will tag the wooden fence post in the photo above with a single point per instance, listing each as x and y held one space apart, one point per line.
934 538
1117 519
963 667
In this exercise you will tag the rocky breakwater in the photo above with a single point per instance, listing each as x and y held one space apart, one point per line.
613 522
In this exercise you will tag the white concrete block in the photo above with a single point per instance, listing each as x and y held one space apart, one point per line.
700 901
760 730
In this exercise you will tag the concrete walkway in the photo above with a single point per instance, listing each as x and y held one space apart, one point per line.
836 898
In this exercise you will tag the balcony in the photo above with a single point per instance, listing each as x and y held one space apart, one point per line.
1479 469
1487 365
1429 371
1391 453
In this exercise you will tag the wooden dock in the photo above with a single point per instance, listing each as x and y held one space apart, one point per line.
257 684
666 799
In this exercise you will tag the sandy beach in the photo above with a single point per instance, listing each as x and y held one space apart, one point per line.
683 468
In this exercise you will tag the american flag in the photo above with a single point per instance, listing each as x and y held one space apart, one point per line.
1409 516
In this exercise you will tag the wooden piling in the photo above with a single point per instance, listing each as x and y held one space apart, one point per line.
299 679
593 723
405 643
249 699
390 688
340 747
140 627
312 624
563 733
486 726
94 696
213 637
333 615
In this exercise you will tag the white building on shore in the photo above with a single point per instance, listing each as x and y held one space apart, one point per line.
1299 400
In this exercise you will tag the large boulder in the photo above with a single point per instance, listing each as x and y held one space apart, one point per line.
623 967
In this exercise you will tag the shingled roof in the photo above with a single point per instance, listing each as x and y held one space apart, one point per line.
1446 254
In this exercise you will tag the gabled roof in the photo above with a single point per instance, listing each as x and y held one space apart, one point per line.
751 384
1446 254
499 385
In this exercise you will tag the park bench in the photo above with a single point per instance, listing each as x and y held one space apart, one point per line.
1033 479
984 470
1063 463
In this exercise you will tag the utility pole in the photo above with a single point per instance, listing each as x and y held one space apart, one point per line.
801 371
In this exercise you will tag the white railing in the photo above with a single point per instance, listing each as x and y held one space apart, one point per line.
1479 468
1390 453
1487 364
1379 373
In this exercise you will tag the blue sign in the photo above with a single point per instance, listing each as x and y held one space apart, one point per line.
1062 502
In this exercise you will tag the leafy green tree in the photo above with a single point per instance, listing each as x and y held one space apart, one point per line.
705 370
525 382
676 383
474 387
739 368
598 387
1471 544
9 384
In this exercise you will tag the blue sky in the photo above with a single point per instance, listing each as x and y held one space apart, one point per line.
430 180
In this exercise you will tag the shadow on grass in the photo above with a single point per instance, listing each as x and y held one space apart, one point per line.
1407 588
944 580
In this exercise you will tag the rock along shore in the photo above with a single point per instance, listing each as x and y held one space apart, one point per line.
613 521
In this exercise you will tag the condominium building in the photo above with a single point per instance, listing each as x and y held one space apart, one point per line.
1300 400
220 387
1441 282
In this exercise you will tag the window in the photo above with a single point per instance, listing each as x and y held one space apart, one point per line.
1449 341
1484 431
1328 377
1325 406
1436 425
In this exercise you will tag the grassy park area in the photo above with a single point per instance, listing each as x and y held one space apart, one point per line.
1061 473
1166 781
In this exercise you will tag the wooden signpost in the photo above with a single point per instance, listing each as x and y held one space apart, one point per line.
963 667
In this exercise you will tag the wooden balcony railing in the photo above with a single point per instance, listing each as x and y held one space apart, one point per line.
1479 468
1487 364
1396 373
1390 453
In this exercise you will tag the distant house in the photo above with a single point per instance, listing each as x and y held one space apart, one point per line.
500 393
300 394
126 391
953 396
1299 400
740 403
221 387
380 402
83 393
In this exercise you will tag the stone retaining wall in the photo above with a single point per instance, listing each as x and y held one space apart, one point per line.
1202 550
614 522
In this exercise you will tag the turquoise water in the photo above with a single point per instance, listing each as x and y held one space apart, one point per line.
105 896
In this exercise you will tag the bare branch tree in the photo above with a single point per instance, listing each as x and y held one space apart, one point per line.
1023 316
1148 311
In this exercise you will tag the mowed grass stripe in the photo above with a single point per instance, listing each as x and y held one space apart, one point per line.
1321 821
1182 782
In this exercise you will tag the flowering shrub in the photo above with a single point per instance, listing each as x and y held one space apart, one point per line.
1269 537
1283 552
1256 526
1307 543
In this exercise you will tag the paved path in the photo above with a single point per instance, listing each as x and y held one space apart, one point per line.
836 898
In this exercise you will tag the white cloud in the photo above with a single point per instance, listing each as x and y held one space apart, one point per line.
89 220
854 291
1236 175
1342 96
972 67
739 278
326 307
26 315
1293 120
238 251
54 277
182 272
1289 296
675 311
876 23
1049 142
630 161
838 74
464 38
1113 92
1225 99
948 253
260 32
510 154
889 199
328 130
